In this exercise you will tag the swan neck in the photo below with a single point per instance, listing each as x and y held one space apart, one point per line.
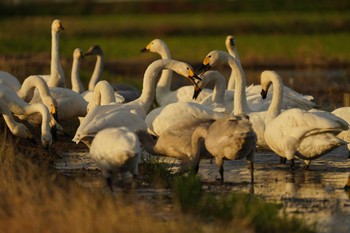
149 82
40 108
276 102
240 105
27 90
96 75
164 83
103 93
57 75
8 117
77 85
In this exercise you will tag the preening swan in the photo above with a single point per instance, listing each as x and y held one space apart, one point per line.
123 92
25 111
164 94
344 113
56 78
108 115
116 151
16 128
296 132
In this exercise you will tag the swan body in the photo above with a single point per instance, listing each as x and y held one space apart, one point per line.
104 116
56 78
344 113
116 150
16 128
123 92
159 119
9 80
187 134
296 132
25 111
231 138
164 94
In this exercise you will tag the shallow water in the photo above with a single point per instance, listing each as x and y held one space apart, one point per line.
316 195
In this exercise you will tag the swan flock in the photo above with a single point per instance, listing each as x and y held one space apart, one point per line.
118 122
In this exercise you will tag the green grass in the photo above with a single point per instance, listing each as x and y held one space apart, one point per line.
291 35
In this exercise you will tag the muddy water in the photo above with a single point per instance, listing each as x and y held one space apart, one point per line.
316 195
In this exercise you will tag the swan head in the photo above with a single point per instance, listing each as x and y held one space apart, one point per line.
51 105
230 41
213 59
94 50
154 46
21 131
46 140
57 25
266 81
78 54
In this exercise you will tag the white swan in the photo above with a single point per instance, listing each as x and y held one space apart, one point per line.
159 119
240 100
164 94
27 111
116 150
16 128
56 78
107 115
123 92
291 98
344 113
296 132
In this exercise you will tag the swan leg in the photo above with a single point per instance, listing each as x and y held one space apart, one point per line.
220 163
251 169
109 183
349 155
292 165
283 160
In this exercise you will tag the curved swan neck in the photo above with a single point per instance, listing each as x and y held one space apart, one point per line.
103 93
57 75
150 78
277 97
218 95
29 84
240 105
40 108
77 86
96 75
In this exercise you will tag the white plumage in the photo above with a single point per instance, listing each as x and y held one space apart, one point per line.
116 151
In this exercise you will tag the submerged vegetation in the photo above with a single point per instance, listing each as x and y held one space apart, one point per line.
34 198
